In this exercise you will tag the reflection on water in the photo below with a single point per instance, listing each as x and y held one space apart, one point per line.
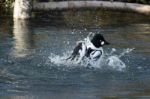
23 38
30 76
99 18
132 36
20 97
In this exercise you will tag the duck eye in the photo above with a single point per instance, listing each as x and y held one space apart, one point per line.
102 43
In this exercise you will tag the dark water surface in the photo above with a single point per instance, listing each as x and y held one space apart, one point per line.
25 47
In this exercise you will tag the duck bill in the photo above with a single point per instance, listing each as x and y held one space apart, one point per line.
107 43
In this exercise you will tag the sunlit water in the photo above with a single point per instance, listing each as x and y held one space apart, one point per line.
32 54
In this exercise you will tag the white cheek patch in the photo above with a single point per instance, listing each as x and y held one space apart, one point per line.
102 43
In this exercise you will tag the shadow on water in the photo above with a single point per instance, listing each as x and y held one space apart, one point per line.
25 46
90 19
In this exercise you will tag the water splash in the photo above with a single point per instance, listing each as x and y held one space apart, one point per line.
110 60
114 61
58 60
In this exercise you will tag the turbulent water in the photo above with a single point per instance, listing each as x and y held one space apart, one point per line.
32 54
108 60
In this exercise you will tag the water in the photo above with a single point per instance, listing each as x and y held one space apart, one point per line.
31 53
